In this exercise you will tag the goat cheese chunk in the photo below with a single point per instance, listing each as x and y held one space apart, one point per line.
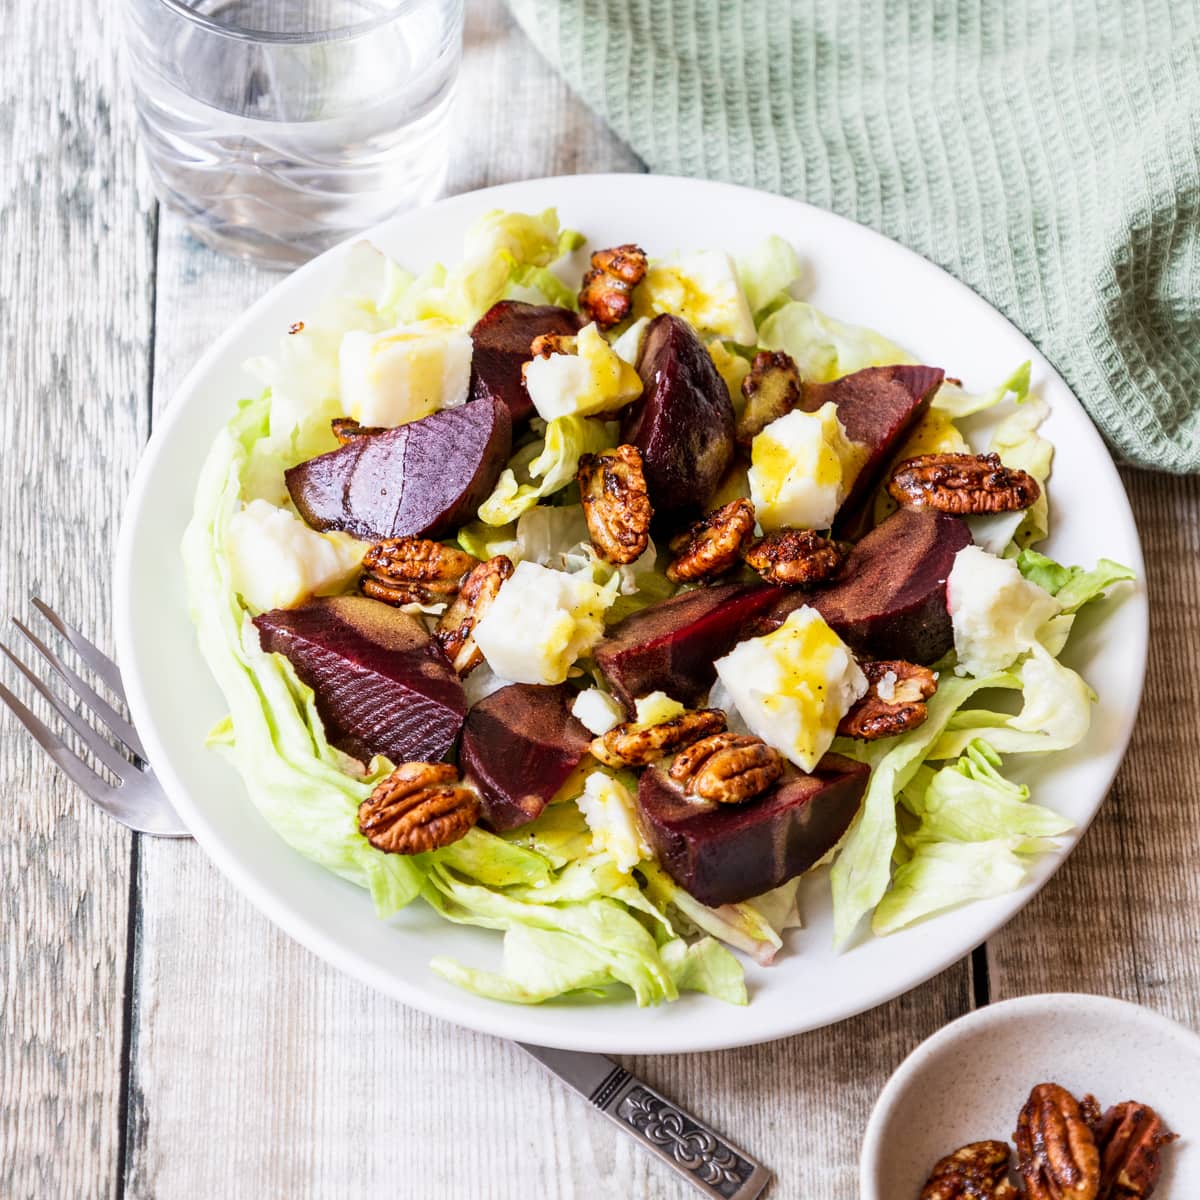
702 287
277 561
801 467
611 815
597 711
794 685
584 378
404 374
995 611
541 621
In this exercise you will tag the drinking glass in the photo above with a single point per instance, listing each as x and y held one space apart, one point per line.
279 127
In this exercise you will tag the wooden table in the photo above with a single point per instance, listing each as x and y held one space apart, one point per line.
159 1037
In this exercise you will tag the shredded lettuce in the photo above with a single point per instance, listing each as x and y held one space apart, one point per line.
1017 441
767 273
956 403
1073 587
823 347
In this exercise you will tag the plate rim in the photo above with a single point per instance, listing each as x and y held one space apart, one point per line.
495 1017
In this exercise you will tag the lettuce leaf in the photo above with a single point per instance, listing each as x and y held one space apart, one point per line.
766 273
823 347
955 403
1073 587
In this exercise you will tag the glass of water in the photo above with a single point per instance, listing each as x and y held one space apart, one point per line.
279 127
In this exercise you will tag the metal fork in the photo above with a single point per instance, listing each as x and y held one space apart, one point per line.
137 799
711 1163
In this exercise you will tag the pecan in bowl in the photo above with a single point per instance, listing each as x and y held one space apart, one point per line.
963 484
1056 1149
713 545
418 807
634 745
795 557
616 504
729 768
411 570
607 293
1130 1137
977 1171
893 703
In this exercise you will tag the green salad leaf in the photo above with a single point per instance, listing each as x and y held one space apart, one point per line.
1073 587
767 273
825 348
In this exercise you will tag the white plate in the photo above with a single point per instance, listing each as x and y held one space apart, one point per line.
968 1082
855 274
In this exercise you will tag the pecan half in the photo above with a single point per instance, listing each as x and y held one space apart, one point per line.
727 767
977 1171
547 344
713 544
962 483
795 557
455 630
347 430
1130 1137
1056 1150
772 389
418 807
607 294
412 570
616 505
901 708
633 745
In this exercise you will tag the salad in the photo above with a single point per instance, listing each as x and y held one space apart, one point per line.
598 613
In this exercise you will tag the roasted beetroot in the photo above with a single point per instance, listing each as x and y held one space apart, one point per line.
879 407
725 853
518 747
502 337
382 685
682 422
423 479
672 646
891 599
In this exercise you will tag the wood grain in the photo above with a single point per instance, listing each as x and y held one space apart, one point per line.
76 247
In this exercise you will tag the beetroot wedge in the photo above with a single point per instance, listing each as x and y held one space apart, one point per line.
890 601
518 747
672 646
423 479
502 337
382 684
682 422
879 407
725 853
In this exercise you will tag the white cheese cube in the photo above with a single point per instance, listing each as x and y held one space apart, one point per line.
801 467
609 811
657 708
277 561
403 374
702 287
586 379
794 685
597 711
540 622
995 611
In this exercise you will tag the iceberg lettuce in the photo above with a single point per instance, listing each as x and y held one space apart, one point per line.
767 273
825 348
1072 587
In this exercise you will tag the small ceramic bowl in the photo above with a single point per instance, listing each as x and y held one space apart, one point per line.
968 1082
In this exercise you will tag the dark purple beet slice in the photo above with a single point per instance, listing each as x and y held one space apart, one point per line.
382 684
682 422
518 747
423 479
879 407
672 646
725 853
890 601
502 337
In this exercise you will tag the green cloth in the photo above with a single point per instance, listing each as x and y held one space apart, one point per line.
1043 151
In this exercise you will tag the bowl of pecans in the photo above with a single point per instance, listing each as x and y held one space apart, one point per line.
1051 1096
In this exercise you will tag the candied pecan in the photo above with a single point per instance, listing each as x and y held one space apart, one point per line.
634 745
418 807
612 487
607 294
413 570
901 708
456 629
347 430
712 545
977 1171
727 767
547 344
795 557
772 389
1130 1137
962 483
1056 1151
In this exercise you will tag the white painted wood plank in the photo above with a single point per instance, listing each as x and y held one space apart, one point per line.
76 241
259 1071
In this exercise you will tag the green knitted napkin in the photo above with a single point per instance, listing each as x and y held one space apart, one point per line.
1044 151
